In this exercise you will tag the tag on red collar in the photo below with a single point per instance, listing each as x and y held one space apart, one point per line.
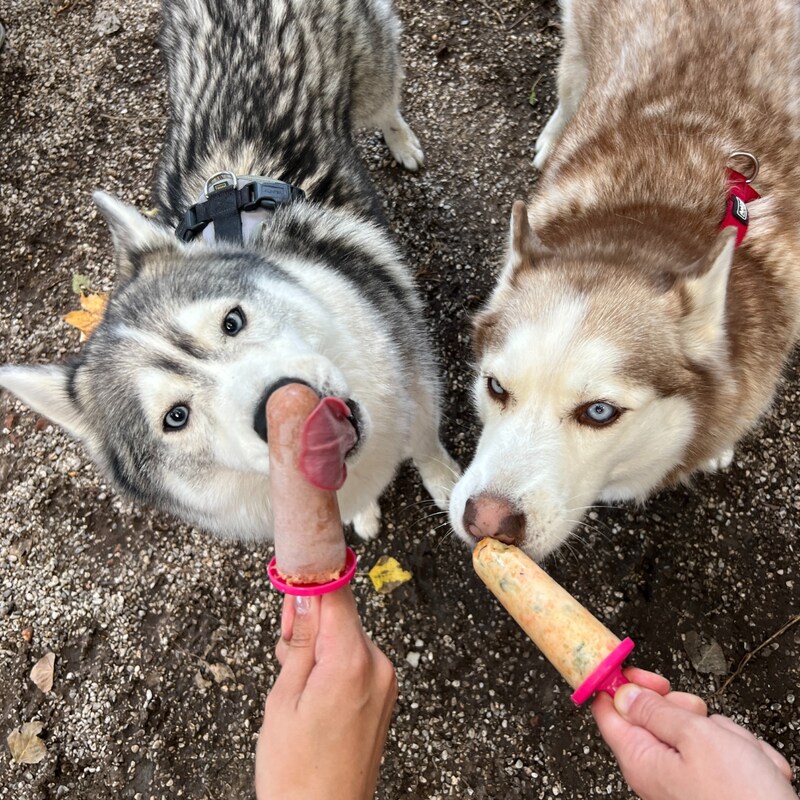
740 193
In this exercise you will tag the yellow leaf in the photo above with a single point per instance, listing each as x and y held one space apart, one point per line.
93 307
95 303
25 745
387 575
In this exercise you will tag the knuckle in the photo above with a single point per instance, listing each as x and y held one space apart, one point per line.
644 709
301 638
280 651
386 673
361 662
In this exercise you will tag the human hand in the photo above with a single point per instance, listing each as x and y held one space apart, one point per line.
659 684
327 716
670 751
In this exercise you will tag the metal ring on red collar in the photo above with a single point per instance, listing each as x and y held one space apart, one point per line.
753 161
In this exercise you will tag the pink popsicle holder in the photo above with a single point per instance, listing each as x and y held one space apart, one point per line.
607 675
314 589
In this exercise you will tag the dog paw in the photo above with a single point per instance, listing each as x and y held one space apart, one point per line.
439 476
544 144
367 523
546 140
541 158
722 461
403 143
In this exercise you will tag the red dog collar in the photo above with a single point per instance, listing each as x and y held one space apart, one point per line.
740 193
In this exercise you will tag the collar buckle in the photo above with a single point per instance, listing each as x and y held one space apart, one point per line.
219 181
740 193
225 203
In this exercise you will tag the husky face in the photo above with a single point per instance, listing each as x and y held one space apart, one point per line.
169 393
585 391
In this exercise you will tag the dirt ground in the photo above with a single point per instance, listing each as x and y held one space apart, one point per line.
163 636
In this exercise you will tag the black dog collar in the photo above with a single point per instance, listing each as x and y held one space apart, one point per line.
227 198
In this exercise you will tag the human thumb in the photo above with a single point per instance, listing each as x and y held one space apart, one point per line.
297 648
649 710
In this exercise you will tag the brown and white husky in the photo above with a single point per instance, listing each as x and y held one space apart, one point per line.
630 341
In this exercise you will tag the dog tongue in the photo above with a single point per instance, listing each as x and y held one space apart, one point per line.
327 437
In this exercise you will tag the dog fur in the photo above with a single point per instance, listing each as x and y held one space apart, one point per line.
267 89
619 289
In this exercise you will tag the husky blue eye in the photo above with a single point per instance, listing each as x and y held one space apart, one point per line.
176 418
234 321
597 413
496 389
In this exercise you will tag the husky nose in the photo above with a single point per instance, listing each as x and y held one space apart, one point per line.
260 415
490 516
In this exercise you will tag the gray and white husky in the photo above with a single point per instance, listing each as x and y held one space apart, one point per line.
285 275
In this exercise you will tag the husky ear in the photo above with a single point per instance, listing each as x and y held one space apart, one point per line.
46 390
134 236
703 326
524 247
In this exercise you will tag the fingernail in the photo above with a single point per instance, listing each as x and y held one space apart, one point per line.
625 696
302 605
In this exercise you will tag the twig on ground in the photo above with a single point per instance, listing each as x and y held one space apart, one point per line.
793 621
494 11
520 20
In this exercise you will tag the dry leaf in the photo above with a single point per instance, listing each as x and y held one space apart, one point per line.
221 672
42 672
25 745
200 682
93 306
387 575
705 654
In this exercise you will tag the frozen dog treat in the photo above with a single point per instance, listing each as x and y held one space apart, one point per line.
580 647
308 440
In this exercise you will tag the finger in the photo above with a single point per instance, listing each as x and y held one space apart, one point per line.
280 650
340 624
650 680
646 709
298 653
389 701
777 759
290 603
688 702
615 729
287 616
769 751
729 725
287 621
635 748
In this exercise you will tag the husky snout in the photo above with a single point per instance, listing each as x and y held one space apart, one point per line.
489 516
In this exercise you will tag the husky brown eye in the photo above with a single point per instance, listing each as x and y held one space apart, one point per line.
234 321
597 413
176 418
496 390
